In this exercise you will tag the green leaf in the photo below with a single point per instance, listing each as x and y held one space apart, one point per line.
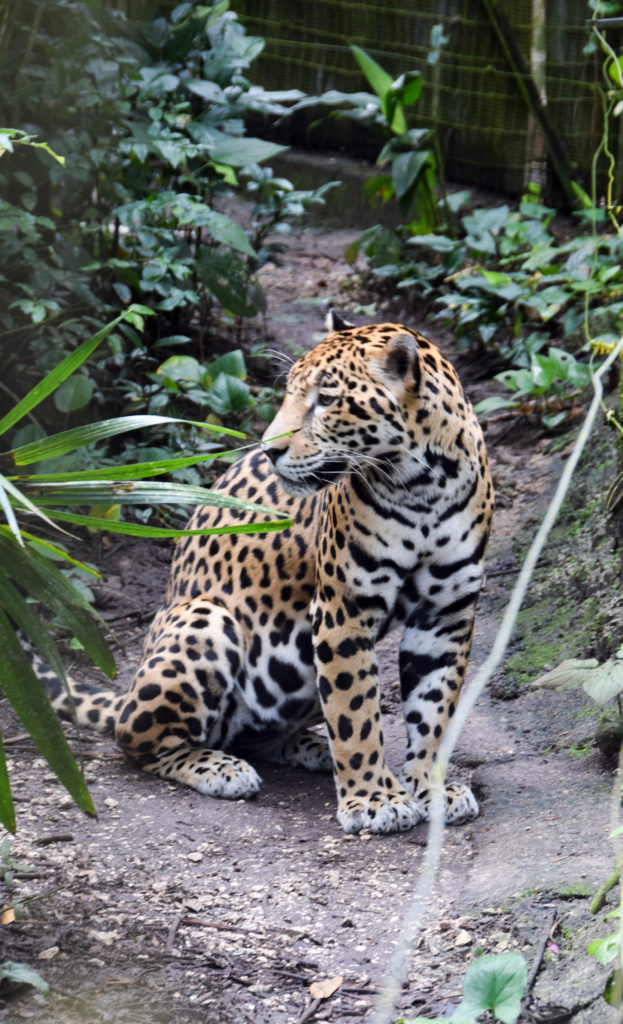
231 363
242 152
493 404
7 810
55 377
494 982
605 950
74 393
77 437
9 514
30 624
20 974
228 394
408 87
407 168
375 75
570 674
133 470
137 493
181 368
47 584
19 498
35 712
140 530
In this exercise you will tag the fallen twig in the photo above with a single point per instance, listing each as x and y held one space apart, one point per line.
540 951
309 1011
168 947
56 837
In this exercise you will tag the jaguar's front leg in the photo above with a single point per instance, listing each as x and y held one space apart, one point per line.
369 796
433 658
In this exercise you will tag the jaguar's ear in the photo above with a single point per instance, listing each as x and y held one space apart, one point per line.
334 322
401 360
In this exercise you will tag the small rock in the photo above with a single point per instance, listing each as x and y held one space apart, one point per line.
111 803
194 857
463 938
106 938
48 954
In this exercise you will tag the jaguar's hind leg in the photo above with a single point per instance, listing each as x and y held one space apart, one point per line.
305 749
187 699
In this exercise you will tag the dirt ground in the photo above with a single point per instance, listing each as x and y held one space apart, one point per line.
172 908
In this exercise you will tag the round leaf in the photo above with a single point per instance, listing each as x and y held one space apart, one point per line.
495 982
73 394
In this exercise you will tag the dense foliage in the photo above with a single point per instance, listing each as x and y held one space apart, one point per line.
147 118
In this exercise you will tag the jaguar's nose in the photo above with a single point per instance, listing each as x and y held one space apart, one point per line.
274 451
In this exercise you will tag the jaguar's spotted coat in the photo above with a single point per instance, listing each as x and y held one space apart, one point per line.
384 472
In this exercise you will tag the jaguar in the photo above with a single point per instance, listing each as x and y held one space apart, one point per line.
265 645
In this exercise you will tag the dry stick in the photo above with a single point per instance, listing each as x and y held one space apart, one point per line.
172 933
540 953
398 971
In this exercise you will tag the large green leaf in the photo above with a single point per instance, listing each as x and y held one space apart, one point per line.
74 393
132 471
495 982
376 76
242 152
407 169
47 584
21 974
31 625
228 394
137 493
185 368
69 440
35 712
19 498
231 363
65 368
382 84
7 810
139 530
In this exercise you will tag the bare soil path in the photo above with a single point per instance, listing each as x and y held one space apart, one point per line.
176 909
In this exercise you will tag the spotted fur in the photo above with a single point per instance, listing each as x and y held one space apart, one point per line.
379 460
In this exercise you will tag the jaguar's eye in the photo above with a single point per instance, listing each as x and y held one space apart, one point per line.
326 398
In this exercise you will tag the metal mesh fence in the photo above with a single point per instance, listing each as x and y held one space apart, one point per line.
487 132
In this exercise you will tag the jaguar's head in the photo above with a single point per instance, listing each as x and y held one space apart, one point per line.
345 407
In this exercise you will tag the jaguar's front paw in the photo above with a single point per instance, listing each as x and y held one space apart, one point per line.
380 812
461 804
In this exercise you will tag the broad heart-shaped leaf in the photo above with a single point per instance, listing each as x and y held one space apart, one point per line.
74 393
406 169
35 712
494 982
604 683
228 394
7 810
231 363
20 974
570 674
181 368
242 152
